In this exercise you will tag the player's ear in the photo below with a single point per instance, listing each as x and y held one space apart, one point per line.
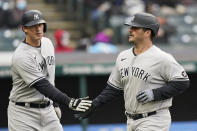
148 33
24 29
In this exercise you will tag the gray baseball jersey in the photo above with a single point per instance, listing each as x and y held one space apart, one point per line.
29 65
149 70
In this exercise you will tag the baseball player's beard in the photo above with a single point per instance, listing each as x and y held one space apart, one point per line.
131 39
134 40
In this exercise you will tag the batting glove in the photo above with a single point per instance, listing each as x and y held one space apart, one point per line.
84 115
145 96
80 104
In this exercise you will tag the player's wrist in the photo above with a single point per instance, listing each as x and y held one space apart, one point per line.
93 106
96 104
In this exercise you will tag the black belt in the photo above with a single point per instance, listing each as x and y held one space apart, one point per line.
33 105
139 116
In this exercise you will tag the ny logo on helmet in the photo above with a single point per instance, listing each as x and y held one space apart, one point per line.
36 17
129 20
132 18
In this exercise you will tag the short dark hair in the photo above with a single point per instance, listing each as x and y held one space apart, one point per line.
152 33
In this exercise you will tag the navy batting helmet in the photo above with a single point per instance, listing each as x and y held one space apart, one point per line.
144 20
33 17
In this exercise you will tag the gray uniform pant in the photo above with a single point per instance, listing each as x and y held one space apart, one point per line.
161 121
32 119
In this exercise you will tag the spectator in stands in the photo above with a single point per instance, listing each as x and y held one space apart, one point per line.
101 10
102 42
131 7
14 16
189 2
84 42
165 30
4 7
99 15
104 36
2 15
168 7
62 38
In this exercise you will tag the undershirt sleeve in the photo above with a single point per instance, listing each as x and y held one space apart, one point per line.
48 90
107 95
171 89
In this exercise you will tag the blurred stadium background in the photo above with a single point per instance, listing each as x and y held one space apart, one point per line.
81 71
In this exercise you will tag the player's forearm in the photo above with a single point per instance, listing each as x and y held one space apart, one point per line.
55 104
48 90
173 88
107 95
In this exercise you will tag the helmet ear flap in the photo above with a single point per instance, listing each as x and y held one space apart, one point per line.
45 27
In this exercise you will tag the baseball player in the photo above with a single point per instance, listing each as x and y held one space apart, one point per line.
148 77
33 72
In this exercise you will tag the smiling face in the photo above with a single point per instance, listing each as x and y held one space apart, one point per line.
34 33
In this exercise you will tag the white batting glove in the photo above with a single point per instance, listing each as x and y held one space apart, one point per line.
58 112
80 104
145 96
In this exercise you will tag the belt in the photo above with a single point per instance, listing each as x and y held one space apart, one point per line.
33 105
139 116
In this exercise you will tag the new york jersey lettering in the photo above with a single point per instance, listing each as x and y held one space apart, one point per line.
135 72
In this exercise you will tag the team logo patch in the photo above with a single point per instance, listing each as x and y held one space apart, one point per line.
36 17
184 74
132 18
129 20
